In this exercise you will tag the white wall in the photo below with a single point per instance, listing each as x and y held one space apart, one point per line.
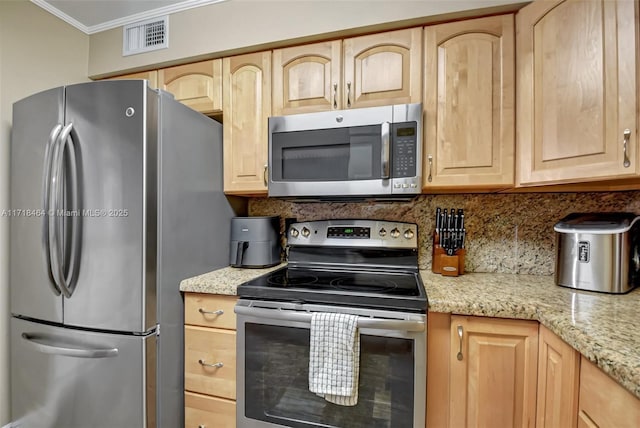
239 25
37 51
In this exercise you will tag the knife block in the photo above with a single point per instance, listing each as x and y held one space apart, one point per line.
444 264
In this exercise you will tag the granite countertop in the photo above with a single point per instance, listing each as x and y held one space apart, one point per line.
223 281
602 327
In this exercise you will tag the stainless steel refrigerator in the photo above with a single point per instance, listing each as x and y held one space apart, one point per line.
116 196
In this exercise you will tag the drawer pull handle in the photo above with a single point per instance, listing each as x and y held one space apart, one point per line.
203 363
217 313
430 179
459 356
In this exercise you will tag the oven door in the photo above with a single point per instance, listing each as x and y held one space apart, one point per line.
273 369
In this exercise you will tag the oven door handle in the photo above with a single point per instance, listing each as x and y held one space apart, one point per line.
305 317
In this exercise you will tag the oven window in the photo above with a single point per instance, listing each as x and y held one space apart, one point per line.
340 154
277 381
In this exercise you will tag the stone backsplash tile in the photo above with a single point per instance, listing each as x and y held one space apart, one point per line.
506 233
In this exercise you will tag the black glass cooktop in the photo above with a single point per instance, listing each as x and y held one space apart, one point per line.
375 289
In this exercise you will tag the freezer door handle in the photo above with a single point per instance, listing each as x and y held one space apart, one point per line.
47 344
46 196
65 280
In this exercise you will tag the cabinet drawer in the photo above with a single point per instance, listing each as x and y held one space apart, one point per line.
208 412
210 310
210 346
603 402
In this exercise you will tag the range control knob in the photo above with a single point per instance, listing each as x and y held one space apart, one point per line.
294 232
395 232
382 232
408 234
305 232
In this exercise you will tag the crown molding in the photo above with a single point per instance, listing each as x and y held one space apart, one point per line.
150 14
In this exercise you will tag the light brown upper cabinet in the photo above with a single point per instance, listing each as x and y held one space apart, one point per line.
151 76
197 85
246 88
577 109
469 104
382 69
366 71
306 78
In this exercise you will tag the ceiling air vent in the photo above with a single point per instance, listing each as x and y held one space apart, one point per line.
145 36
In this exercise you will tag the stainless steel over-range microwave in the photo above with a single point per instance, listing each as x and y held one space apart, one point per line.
365 152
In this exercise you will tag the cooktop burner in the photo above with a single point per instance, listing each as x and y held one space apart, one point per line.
401 290
364 284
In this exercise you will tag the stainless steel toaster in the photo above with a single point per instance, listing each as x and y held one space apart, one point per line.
598 252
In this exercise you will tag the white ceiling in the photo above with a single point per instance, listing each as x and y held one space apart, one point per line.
92 16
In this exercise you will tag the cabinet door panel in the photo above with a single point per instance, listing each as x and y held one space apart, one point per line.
604 402
307 78
558 381
197 85
383 69
494 383
469 103
247 107
577 90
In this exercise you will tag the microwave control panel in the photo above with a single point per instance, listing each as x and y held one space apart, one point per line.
404 144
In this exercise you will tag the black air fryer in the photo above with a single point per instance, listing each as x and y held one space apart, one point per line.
255 242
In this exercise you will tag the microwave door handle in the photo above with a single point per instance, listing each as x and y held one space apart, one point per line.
386 153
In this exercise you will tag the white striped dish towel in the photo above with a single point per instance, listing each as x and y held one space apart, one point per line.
334 357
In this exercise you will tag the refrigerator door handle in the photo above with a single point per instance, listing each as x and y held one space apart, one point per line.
46 195
56 202
67 141
46 344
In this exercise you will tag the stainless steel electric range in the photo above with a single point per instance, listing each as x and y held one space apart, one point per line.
367 268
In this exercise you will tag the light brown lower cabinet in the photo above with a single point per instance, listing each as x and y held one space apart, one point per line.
490 372
209 361
490 367
558 382
603 402
204 411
